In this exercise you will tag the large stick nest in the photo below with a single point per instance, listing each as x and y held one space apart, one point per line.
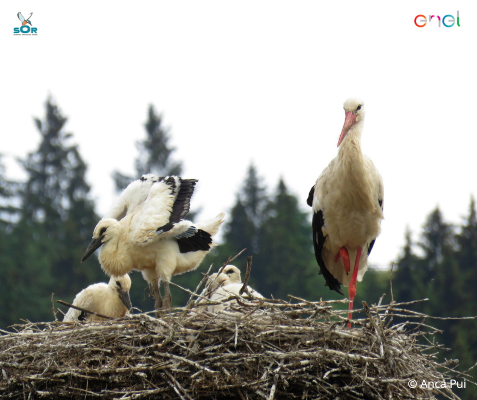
271 349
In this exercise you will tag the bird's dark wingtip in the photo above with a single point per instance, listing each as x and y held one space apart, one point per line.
309 200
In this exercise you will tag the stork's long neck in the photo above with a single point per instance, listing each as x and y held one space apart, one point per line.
353 170
350 148
114 258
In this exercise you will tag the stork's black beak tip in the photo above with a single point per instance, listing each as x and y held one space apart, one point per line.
95 243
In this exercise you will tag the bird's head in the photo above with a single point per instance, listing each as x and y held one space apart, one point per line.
215 281
354 113
121 285
233 273
103 232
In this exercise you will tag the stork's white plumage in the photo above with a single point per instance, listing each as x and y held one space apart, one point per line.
151 235
111 300
347 202
133 196
227 284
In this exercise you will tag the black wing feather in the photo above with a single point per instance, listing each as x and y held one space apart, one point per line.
318 243
309 200
371 245
200 241
83 316
182 204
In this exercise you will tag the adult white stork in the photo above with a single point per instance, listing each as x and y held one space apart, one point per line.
151 234
110 299
347 201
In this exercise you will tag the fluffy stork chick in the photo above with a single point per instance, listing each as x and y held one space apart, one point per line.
153 238
347 202
229 284
231 274
110 299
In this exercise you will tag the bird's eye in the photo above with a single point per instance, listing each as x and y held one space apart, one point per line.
359 108
229 272
102 230
118 283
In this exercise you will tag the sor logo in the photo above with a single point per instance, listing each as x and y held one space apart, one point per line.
25 29
448 20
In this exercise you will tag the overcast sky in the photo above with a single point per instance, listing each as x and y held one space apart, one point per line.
260 81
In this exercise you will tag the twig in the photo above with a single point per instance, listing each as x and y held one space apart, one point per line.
244 287
83 309
391 282
53 307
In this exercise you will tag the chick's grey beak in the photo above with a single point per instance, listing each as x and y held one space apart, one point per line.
124 296
95 243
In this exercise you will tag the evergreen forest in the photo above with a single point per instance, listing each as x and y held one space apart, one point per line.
46 222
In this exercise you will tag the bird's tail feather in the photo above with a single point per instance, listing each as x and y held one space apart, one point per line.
212 226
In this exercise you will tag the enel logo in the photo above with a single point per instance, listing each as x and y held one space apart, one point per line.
25 29
448 20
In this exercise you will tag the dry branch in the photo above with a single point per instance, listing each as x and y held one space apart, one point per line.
82 309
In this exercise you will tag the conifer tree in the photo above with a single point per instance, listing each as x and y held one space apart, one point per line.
464 341
8 209
242 229
285 263
405 284
155 153
466 254
57 218
436 268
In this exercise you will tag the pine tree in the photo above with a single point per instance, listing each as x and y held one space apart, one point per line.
464 340
406 286
254 196
242 229
467 254
286 250
435 271
8 191
57 218
154 153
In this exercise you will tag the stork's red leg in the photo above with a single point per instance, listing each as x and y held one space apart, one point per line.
352 284
345 257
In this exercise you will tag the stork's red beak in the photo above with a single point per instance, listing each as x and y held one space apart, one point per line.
349 122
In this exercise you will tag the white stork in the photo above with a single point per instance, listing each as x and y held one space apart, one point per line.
110 299
347 201
151 235
227 284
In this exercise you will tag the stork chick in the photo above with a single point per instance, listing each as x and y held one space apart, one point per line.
229 284
110 299
152 236
347 202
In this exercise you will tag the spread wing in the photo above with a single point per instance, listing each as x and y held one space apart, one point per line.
20 17
162 212
132 197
